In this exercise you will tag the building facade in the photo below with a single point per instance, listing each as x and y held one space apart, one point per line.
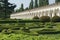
49 10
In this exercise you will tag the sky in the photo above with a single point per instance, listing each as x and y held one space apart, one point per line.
25 2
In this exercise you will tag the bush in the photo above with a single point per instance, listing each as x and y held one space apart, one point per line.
56 19
7 31
45 19
48 29
36 17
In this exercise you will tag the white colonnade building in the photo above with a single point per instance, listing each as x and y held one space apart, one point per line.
48 10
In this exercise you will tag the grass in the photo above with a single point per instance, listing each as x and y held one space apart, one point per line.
29 37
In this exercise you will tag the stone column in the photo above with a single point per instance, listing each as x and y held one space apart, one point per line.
55 12
51 13
46 13
59 13
42 13
39 14
34 14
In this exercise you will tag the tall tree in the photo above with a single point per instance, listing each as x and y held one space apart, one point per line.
40 3
26 8
22 7
43 2
36 3
31 5
6 8
57 1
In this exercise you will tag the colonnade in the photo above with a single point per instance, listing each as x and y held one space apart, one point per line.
31 14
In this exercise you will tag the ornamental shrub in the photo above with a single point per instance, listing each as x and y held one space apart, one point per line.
56 19
35 17
45 19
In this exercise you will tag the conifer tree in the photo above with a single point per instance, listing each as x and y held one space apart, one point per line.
22 7
57 1
43 2
36 3
6 8
31 5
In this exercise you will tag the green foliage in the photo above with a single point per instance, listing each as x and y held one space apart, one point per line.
45 19
56 19
35 17
6 10
22 7
29 37
57 1
7 31
31 5
36 3
26 27
43 2
32 25
40 3
26 8
48 29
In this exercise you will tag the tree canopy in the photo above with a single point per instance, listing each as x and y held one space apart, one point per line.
57 1
34 4
31 5
43 2
6 8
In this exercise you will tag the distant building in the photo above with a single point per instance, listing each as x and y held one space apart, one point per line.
49 10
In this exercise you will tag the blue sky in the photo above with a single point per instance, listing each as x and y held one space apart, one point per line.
25 2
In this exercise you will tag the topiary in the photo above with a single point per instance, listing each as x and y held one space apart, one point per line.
35 17
45 19
56 19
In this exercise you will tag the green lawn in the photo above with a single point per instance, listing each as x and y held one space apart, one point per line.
29 37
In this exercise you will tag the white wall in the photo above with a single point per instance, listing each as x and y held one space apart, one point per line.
37 11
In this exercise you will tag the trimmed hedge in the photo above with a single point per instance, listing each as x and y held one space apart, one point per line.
56 19
18 21
36 17
45 19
